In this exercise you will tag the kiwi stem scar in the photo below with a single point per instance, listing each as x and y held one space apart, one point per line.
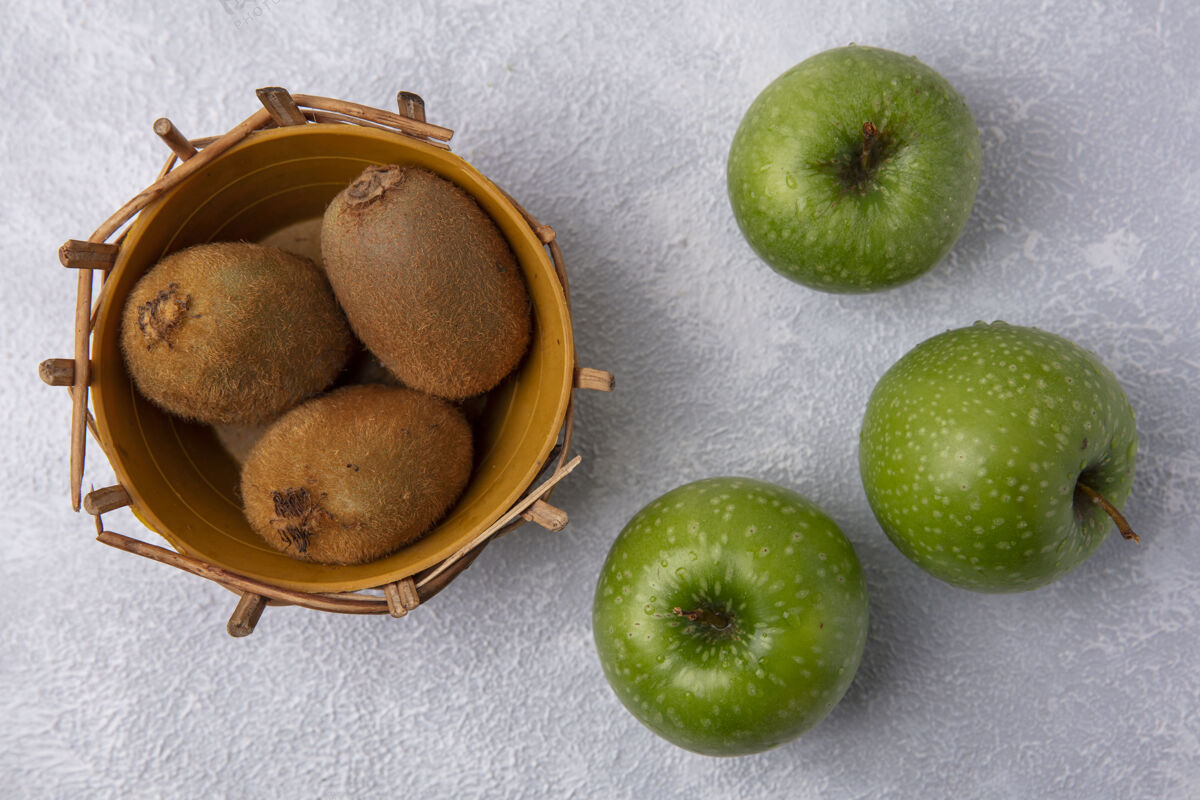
714 619
1099 499
159 317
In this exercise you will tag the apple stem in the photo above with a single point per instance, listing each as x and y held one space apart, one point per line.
714 619
869 133
1111 510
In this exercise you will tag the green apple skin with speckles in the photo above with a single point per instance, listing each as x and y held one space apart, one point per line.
786 625
973 446
829 204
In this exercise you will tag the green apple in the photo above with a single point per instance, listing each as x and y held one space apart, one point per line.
730 615
855 170
989 453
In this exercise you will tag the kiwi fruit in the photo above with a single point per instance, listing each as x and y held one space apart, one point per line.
302 238
239 440
362 367
427 281
233 333
357 473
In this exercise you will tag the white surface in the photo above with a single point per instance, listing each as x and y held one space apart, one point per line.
611 122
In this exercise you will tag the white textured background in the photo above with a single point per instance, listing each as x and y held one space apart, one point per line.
611 122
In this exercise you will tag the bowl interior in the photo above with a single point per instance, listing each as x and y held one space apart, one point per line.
184 483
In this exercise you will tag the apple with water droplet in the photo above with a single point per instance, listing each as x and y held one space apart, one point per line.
855 170
730 615
996 457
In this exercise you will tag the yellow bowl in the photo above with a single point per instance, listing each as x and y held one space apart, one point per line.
182 481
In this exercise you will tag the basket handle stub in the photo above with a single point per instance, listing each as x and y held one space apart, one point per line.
175 140
110 498
57 371
550 517
401 596
597 380
249 608
78 254
411 105
281 106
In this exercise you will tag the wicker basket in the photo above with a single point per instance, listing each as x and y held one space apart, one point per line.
276 169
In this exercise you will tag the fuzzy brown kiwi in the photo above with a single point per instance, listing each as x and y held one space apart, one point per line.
427 281
356 474
233 333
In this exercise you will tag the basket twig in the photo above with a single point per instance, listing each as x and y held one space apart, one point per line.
505 518
334 117
549 517
87 255
79 393
345 604
278 101
57 371
249 608
166 167
409 126
175 140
